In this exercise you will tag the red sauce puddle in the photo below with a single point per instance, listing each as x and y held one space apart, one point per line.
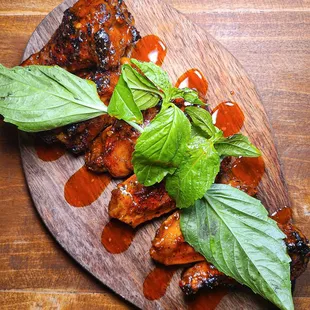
282 216
157 282
193 78
150 48
249 170
228 117
206 300
48 152
117 236
85 187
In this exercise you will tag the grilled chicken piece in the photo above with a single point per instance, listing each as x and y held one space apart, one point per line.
169 246
112 150
134 203
93 33
78 137
203 275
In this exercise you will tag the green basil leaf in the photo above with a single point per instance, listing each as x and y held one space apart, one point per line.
155 74
188 94
38 98
196 173
161 146
122 104
233 231
145 94
202 119
236 145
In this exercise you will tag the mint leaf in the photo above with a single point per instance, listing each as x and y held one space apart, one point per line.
161 146
38 98
122 104
233 231
236 145
188 94
196 173
202 119
155 74
144 93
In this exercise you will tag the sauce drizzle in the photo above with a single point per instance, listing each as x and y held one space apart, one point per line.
150 48
249 170
117 236
194 79
207 300
48 152
228 117
85 187
157 282
282 216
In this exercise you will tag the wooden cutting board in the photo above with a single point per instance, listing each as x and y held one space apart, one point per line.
79 230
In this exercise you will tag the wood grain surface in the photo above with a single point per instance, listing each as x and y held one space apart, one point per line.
35 271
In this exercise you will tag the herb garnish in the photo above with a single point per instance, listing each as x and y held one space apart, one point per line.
231 229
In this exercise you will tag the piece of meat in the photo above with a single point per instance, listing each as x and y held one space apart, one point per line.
78 137
203 275
112 150
134 203
94 159
169 246
93 33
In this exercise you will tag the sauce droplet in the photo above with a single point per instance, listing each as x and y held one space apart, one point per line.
150 48
228 117
117 236
249 170
206 299
282 216
48 152
85 187
157 282
193 78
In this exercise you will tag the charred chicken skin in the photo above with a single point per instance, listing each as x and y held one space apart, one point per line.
93 33
134 203
170 248
203 275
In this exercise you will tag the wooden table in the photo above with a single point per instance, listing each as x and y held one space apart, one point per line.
272 41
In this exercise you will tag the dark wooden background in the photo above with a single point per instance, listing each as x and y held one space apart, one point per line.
271 39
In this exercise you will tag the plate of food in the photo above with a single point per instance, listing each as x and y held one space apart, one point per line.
150 158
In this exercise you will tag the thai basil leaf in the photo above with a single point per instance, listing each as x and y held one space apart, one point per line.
122 104
188 94
155 74
161 146
38 98
196 173
145 94
233 231
202 119
236 145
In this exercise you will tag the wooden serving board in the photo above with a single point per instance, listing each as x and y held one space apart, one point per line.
78 230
